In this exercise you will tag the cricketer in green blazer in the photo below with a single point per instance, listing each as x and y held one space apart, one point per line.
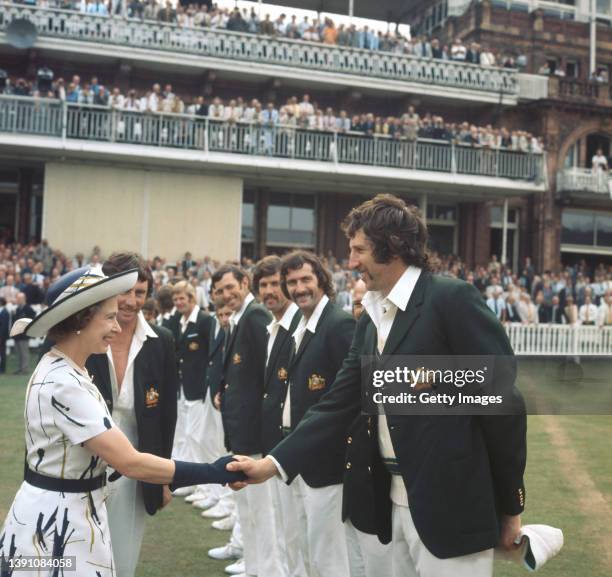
461 473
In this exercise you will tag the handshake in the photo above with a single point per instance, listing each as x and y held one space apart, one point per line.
236 471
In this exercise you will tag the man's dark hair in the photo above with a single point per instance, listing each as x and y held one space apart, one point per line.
267 266
236 271
125 260
164 299
393 227
296 260
2 302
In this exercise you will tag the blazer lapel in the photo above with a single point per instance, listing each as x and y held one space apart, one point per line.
404 320
279 343
139 363
215 343
232 337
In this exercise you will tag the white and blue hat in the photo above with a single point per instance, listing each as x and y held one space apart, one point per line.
73 292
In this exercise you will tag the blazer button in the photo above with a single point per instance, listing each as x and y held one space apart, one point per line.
369 469
227 386
181 360
210 363
282 405
265 395
349 440
348 465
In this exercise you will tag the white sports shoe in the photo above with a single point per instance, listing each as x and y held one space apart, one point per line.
225 553
183 491
197 495
205 503
226 524
216 512
235 568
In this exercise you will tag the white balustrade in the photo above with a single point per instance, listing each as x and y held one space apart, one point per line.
584 180
48 117
225 44
560 340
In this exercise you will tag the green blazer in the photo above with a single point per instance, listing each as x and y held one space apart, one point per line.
461 472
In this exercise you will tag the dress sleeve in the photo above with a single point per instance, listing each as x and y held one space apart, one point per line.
79 411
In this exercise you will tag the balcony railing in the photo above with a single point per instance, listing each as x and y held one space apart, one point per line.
584 180
560 340
251 48
47 117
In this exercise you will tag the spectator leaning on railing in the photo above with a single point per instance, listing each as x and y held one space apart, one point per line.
199 15
306 114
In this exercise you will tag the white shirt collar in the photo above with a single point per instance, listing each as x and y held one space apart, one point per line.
236 316
311 324
143 329
286 319
192 318
400 293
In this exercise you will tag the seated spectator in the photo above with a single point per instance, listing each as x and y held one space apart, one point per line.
496 303
604 314
510 311
571 310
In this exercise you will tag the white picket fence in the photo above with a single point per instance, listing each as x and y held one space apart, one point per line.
560 340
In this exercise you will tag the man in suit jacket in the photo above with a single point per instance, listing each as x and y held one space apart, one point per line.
241 397
137 378
286 315
22 342
447 489
544 310
511 314
192 340
557 316
5 322
320 343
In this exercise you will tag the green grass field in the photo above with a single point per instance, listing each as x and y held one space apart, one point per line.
569 485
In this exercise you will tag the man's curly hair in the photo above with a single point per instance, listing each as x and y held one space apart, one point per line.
393 227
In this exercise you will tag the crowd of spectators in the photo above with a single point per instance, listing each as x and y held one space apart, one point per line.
323 30
574 295
299 113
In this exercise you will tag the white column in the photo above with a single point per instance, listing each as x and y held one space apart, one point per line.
351 9
423 206
593 38
505 233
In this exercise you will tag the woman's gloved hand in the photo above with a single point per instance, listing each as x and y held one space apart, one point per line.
187 474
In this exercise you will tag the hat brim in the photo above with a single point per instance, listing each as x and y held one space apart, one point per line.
86 297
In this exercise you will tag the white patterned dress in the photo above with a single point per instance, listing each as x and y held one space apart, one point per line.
63 409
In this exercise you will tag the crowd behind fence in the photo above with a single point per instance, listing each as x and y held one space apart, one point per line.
555 313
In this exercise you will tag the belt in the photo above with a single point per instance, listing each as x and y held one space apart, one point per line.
392 465
63 485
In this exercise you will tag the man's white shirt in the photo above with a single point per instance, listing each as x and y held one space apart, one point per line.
382 311
298 335
273 327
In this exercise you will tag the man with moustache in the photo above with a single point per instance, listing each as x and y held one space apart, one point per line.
267 285
137 378
241 398
192 338
448 489
321 341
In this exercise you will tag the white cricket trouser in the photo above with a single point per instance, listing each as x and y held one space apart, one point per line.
178 449
211 442
194 421
285 514
262 554
412 559
368 557
320 529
